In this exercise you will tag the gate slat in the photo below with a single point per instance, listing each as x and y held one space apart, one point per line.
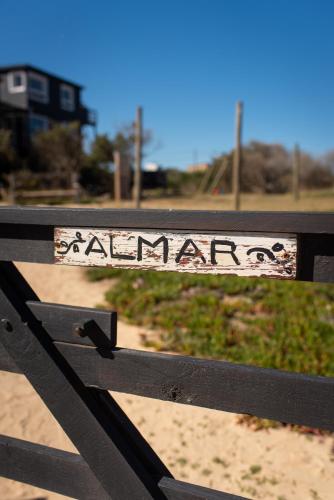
215 220
48 468
99 328
68 474
285 396
179 490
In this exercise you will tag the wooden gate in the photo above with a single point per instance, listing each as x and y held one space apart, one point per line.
71 357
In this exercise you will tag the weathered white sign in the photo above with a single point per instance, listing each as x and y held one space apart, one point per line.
243 254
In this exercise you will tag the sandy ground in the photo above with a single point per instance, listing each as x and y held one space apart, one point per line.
198 445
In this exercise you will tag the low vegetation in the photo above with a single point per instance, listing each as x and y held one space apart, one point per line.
277 324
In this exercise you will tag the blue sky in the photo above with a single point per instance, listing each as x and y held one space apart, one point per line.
187 62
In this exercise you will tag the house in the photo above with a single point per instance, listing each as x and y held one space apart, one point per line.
31 100
198 167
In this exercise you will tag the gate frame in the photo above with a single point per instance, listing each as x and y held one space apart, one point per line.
72 367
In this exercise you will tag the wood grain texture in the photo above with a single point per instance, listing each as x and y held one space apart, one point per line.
77 325
26 243
6 362
202 220
35 243
73 379
299 399
179 490
285 396
242 254
68 474
27 234
324 268
48 468
94 427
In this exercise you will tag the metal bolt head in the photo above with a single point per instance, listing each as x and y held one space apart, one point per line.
80 328
6 325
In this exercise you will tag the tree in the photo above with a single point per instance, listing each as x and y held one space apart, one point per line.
265 168
319 177
60 151
8 157
102 150
124 142
328 160
225 183
95 175
316 173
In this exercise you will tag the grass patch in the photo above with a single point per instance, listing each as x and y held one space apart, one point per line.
277 324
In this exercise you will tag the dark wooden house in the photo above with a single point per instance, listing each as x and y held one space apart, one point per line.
32 100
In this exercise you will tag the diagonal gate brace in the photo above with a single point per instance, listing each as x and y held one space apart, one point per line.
119 457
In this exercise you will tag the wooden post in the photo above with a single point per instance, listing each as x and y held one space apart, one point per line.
204 181
75 186
296 173
12 188
126 177
237 157
117 177
219 174
138 158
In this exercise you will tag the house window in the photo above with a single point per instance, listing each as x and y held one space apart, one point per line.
67 97
38 88
38 123
16 82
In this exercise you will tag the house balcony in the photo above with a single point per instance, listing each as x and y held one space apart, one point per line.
88 116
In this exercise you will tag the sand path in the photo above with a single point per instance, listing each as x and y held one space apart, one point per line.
198 445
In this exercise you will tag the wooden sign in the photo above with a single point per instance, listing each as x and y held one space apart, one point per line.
243 254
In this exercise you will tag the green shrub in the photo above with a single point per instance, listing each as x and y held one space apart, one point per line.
277 324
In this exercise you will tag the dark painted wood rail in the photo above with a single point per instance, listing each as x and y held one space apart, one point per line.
189 220
299 399
27 234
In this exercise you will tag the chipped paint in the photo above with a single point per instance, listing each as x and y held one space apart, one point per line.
242 254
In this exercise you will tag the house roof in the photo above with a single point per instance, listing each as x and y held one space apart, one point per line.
29 67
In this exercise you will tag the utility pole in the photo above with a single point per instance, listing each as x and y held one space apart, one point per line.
138 158
296 172
237 157
117 177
